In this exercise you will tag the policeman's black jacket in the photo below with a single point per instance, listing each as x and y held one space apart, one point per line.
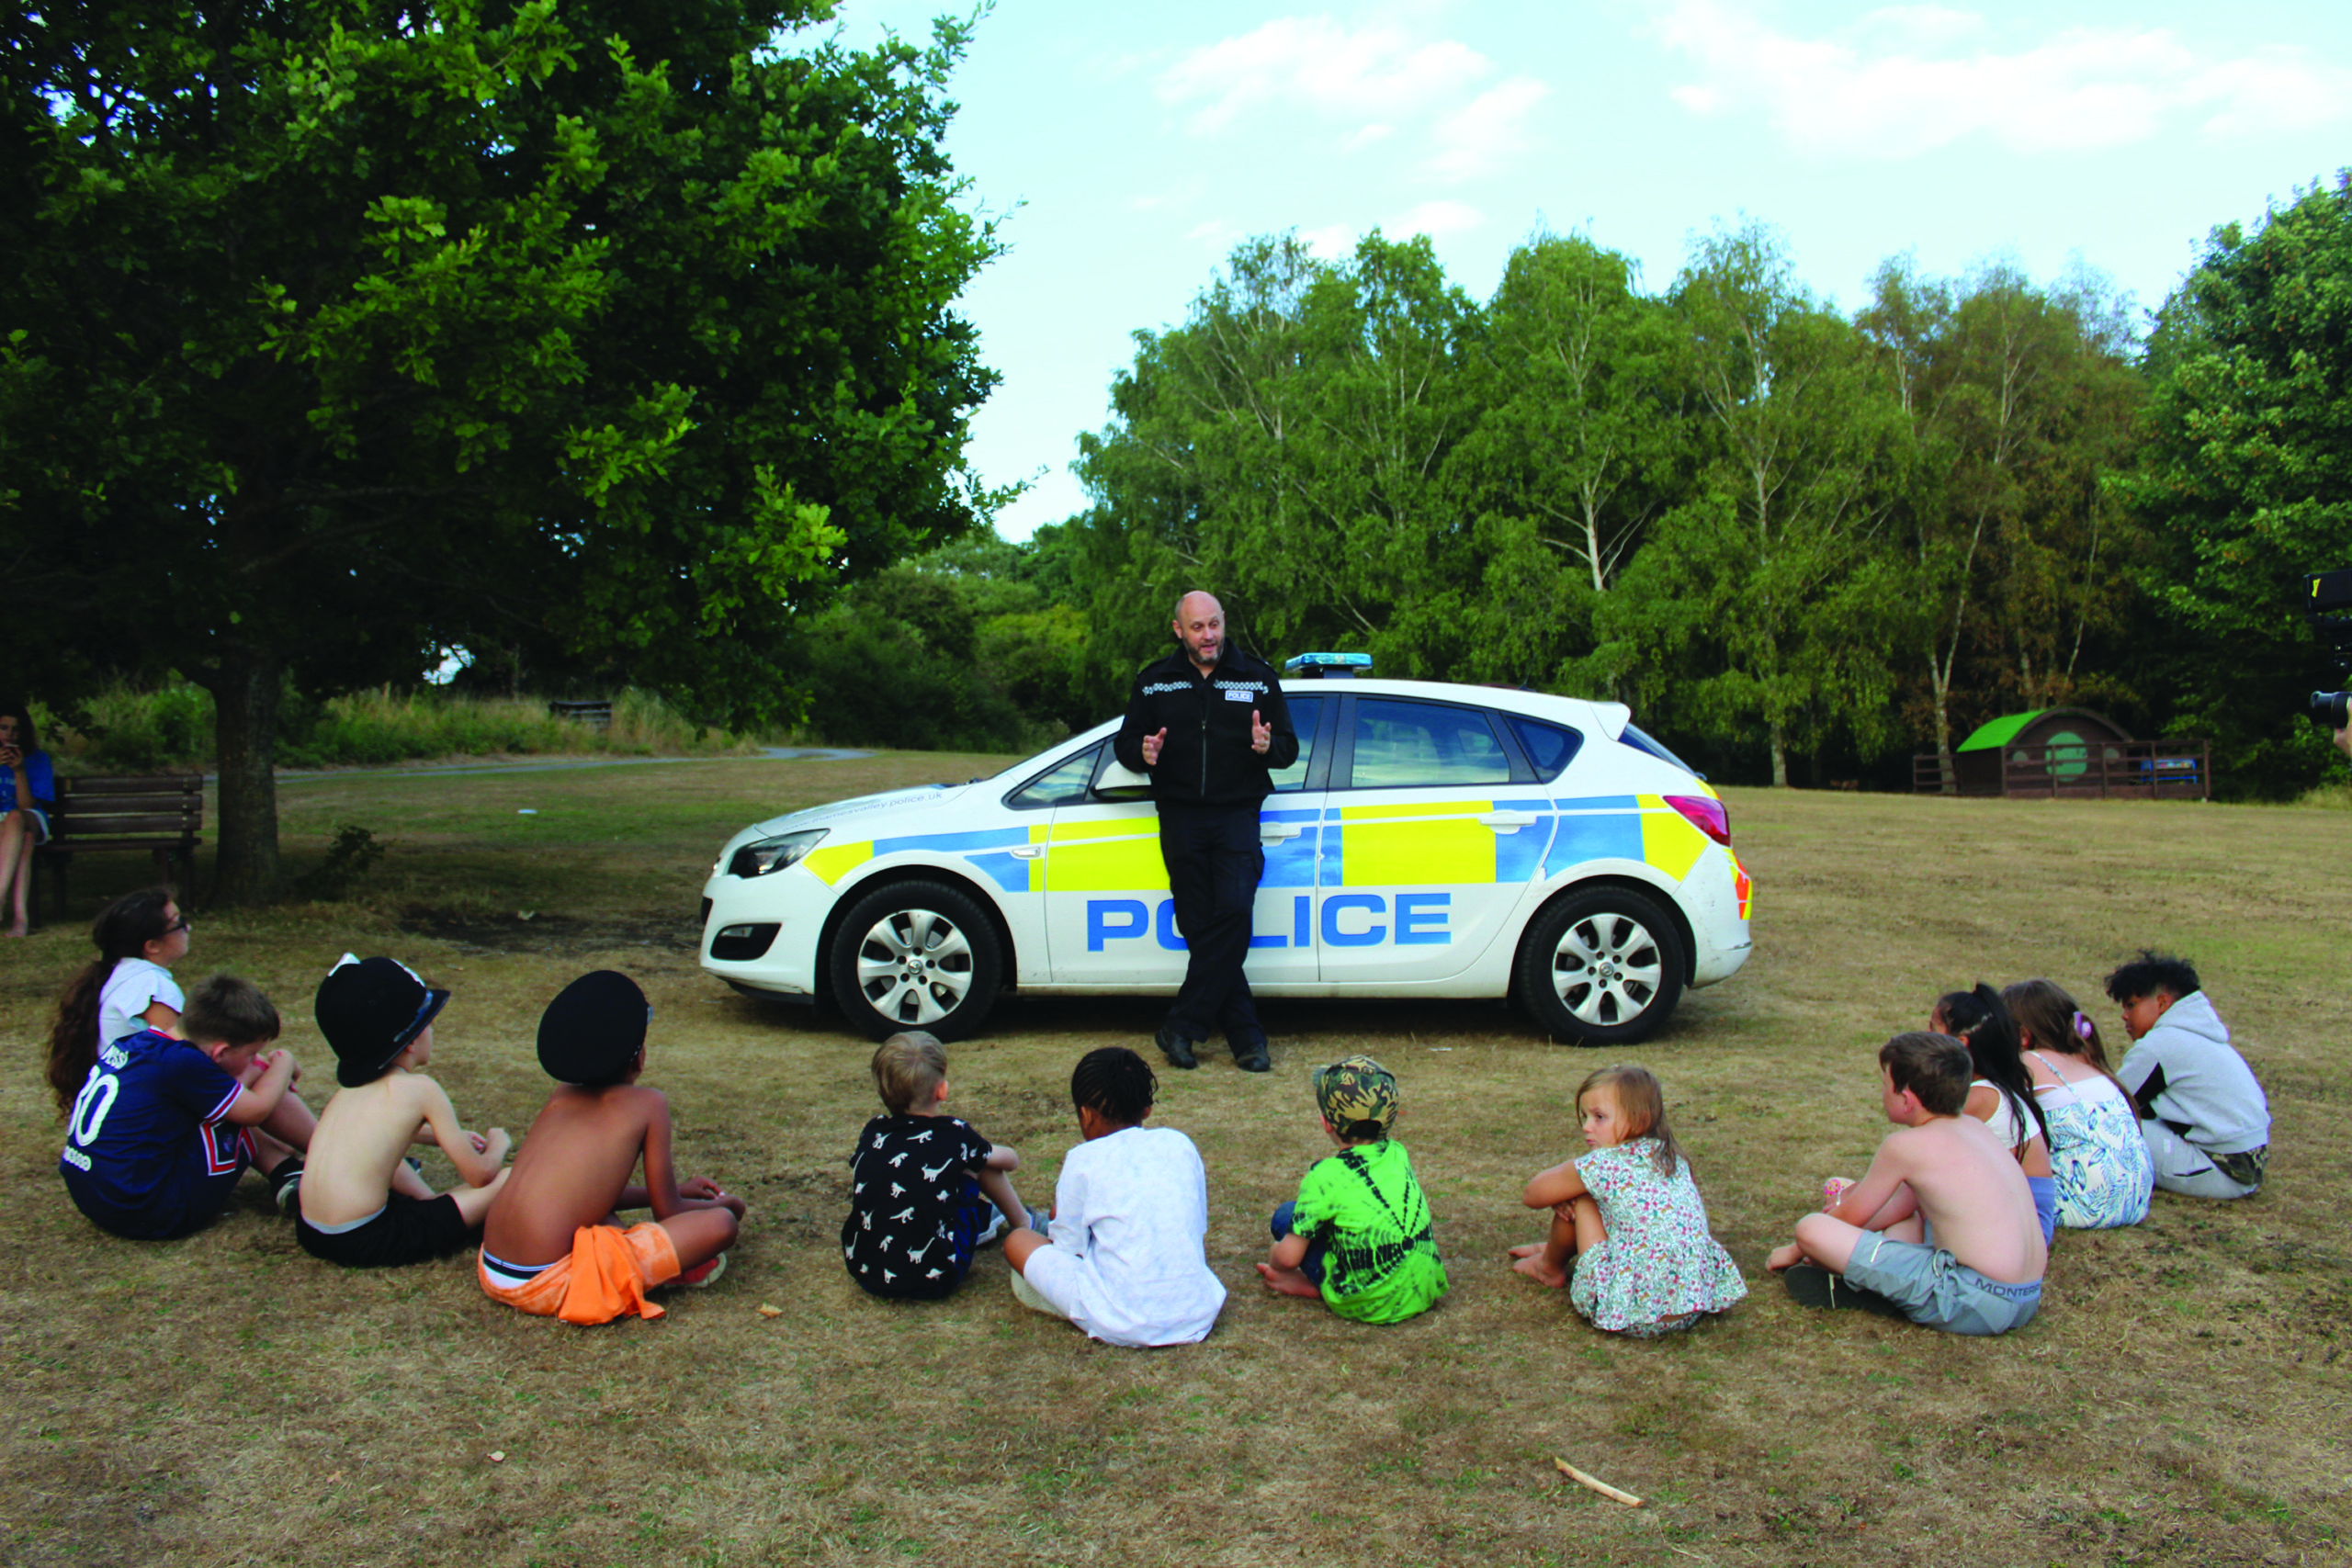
1207 760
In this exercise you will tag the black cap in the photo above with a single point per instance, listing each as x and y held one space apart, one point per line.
594 1029
370 1008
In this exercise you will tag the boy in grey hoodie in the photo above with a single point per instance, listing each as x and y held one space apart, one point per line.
2205 1118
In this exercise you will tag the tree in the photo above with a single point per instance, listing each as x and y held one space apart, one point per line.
1781 555
1581 397
1286 447
2247 476
335 331
2016 400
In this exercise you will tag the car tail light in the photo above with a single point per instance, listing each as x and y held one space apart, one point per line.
1706 815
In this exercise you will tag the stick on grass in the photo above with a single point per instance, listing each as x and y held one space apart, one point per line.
1582 1479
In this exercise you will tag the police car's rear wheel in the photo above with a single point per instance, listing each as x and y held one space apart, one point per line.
916 955
1602 968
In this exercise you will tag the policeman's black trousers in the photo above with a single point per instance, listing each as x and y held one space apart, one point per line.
1214 862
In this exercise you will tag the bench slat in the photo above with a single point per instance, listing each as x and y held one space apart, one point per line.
135 784
81 827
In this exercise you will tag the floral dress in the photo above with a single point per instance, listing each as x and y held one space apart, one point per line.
2098 1156
1660 1270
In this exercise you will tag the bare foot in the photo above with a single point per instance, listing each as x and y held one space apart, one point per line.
1531 1263
1289 1281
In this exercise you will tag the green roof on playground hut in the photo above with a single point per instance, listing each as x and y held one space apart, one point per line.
1999 732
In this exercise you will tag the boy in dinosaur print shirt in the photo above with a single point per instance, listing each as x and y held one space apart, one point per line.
925 1190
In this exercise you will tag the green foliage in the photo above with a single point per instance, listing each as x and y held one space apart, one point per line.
351 853
2246 479
599 327
123 729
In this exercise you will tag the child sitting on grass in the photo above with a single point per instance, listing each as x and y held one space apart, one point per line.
1358 1233
363 1205
1631 1216
552 1244
2001 1094
1952 1241
2098 1157
2204 1115
925 1190
1125 1257
166 1123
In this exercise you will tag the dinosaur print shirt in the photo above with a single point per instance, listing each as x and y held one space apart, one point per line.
914 1204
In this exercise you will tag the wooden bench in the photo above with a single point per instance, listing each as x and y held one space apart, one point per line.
161 813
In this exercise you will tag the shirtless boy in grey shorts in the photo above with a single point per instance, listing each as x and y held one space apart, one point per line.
1942 1228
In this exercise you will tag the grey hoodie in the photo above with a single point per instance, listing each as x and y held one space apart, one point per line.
2185 1074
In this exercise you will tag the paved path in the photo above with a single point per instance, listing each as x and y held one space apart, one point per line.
771 753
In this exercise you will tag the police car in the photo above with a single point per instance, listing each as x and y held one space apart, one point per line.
1433 840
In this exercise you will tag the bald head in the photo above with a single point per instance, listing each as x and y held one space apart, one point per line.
1200 627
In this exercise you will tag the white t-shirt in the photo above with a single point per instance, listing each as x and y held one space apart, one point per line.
1129 1263
135 983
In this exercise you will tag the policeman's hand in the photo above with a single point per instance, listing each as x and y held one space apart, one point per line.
1151 745
2343 740
1262 735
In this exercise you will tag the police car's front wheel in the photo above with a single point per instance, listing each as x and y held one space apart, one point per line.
1602 968
916 955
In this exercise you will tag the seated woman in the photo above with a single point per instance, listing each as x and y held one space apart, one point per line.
27 791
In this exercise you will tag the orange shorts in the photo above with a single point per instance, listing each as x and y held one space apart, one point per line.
605 1277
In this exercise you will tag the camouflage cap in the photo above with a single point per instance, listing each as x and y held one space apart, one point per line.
1356 1089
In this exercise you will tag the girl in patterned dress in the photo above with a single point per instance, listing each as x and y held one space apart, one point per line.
2097 1156
1631 1217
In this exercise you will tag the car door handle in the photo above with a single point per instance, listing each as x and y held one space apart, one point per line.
1509 821
1028 852
1274 832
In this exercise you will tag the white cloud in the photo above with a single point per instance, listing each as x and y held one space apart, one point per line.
1377 83
1334 241
1909 79
1483 132
1435 218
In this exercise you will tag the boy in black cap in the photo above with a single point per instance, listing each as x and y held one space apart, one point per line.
554 1245
363 1205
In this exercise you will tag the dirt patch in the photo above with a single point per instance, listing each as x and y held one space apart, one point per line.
476 934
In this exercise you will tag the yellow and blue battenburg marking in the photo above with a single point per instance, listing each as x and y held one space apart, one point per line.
1338 848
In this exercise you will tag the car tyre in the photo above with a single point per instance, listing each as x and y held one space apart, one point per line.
1602 968
916 955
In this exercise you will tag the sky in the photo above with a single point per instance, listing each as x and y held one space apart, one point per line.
1125 150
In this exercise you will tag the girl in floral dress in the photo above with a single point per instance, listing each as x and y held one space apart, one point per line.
1630 1216
2097 1156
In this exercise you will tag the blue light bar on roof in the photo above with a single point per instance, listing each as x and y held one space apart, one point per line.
1329 666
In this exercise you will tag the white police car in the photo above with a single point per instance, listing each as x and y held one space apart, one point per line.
1431 840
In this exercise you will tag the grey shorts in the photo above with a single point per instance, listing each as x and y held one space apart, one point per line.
1937 1289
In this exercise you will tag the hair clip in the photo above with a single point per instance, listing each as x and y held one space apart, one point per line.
2082 1027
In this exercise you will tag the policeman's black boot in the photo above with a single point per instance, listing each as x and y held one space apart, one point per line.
1178 1049
1253 1058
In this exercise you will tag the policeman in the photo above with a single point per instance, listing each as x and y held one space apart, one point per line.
1207 723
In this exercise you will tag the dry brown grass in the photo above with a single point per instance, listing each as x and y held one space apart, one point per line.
226 1400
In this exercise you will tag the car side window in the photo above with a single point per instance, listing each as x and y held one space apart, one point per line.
1306 714
1400 744
1549 748
1058 785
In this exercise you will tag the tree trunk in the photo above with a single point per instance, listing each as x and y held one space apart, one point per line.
1780 757
244 705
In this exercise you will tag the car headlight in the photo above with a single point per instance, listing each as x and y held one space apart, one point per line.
765 855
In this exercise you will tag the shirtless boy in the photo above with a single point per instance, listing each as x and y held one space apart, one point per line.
1942 1227
363 1205
553 1243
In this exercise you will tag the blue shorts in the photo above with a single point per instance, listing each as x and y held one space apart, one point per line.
1312 1266
190 1198
1934 1288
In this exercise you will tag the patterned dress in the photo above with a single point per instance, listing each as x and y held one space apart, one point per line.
1660 1270
2097 1154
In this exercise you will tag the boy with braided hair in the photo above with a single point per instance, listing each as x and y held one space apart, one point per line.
1125 1257
1358 1233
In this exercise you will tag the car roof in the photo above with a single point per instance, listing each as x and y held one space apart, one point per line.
1577 713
